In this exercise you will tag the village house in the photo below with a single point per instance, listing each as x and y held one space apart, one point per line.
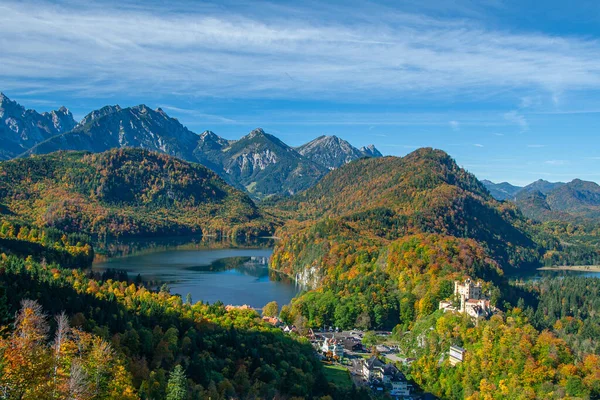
352 345
333 346
457 355
390 377
272 320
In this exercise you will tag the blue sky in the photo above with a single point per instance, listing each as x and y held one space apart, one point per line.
511 89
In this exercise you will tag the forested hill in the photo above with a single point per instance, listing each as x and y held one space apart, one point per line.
124 192
381 241
425 192
575 200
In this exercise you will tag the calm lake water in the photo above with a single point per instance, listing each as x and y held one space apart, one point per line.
232 275
536 275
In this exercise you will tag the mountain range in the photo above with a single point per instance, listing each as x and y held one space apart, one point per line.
258 163
545 201
506 191
21 129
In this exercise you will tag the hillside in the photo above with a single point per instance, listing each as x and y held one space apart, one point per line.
70 333
332 152
502 191
424 192
574 201
21 129
381 240
124 192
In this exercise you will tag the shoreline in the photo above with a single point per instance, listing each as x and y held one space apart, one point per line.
579 268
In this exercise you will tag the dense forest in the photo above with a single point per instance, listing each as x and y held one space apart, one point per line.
506 358
129 192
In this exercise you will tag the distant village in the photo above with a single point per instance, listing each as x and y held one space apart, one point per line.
365 365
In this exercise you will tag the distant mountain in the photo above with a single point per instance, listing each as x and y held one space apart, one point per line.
566 201
333 152
264 165
125 192
542 186
506 191
209 152
370 151
20 129
115 127
258 163
502 191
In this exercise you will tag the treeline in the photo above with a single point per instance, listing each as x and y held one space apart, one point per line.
45 244
73 364
569 306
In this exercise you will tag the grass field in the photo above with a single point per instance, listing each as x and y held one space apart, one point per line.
338 376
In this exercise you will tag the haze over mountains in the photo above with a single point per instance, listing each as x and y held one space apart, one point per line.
543 200
258 163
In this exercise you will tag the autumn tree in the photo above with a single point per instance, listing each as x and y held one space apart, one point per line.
270 309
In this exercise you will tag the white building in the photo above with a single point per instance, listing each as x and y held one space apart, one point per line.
472 301
334 346
468 290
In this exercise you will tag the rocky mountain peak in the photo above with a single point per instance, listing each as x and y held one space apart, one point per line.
333 152
256 133
208 135
371 151
97 114
10 106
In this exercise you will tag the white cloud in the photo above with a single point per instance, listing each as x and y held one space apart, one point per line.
518 119
455 125
556 162
478 145
214 51
199 114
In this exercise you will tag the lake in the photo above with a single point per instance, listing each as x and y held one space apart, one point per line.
234 276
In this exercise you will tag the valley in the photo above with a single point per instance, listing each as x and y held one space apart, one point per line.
278 200
155 246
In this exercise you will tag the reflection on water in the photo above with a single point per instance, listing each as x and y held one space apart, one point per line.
537 275
210 271
125 247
